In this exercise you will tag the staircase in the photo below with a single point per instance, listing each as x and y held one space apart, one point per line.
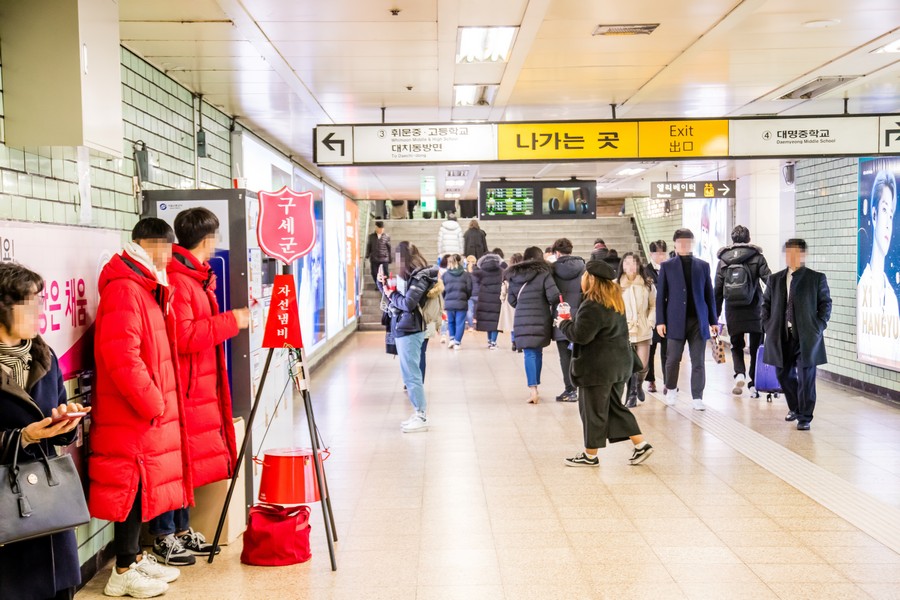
511 237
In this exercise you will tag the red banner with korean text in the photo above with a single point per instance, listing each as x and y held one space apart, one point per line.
283 322
287 225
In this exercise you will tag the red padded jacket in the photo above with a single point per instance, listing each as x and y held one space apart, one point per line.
136 434
201 330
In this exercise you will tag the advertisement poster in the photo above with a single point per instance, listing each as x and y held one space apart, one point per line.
336 266
70 282
310 269
351 235
708 219
878 264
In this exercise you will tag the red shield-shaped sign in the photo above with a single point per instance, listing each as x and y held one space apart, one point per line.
287 224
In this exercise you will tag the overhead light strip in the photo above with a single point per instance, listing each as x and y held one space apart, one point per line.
484 44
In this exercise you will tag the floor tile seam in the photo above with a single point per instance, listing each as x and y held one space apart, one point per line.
821 484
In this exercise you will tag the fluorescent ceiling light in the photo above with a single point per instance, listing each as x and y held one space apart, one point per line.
817 87
630 171
474 95
633 29
484 44
892 47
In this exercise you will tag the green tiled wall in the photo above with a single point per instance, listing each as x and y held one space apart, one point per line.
40 184
827 200
652 221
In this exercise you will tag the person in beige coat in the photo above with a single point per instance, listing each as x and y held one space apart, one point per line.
639 294
507 312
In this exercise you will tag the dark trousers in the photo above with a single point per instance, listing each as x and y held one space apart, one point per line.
565 363
172 521
662 343
603 415
696 347
737 353
127 535
798 383
374 264
411 208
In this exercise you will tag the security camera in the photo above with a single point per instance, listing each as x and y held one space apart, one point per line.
395 11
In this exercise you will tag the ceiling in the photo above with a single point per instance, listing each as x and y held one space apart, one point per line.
282 67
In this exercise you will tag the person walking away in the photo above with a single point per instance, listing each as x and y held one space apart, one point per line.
139 466
685 305
658 255
488 277
471 265
740 276
639 295
201 331
600 251
450 237
602 362
378 251
475 240
415 278
33 418
457 291
507 312
613 260
567 272
795 312
534 295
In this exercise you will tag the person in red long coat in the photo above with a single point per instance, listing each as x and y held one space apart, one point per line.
139 462
201 330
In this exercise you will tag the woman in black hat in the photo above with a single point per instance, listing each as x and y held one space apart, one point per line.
602 363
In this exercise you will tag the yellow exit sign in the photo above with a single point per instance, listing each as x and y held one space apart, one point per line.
676 139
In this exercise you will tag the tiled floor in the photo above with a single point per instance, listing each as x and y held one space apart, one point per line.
481 506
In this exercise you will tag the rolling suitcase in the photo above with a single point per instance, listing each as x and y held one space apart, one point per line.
765 379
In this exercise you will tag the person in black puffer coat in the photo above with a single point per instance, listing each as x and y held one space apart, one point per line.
416 278
489 277
567 272
475 241
457 291
742 317
534 295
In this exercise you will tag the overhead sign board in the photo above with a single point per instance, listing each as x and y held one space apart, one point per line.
440 143
670 190
333 145
889 135
681 139
804 137
567 141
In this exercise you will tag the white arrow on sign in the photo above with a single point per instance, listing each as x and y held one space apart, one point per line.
724 189
334 144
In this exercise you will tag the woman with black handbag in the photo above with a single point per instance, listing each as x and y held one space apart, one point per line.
34 416
602 362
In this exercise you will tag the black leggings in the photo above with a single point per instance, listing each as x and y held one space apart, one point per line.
128 535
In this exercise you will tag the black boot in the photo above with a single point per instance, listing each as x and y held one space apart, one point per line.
640 389
632 394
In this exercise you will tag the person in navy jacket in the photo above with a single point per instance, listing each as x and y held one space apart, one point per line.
685 315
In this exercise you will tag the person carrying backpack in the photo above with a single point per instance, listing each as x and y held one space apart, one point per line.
739 277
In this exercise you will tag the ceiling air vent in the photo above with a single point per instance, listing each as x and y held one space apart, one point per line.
817 87
645 29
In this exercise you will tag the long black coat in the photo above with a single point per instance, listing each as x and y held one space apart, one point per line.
602 352
567 272
475 243
742 319
38 568
535 304
489 279
457 289
812 311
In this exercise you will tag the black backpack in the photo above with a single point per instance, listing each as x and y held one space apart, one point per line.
740 285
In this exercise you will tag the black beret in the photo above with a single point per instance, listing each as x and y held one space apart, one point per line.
600 269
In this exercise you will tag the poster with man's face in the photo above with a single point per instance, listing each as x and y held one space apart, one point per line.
708 219
878 264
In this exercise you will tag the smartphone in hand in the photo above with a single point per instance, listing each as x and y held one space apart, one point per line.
70 416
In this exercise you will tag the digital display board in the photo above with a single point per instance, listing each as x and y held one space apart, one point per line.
506 200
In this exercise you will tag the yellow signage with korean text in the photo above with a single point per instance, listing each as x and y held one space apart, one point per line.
568 141
679 139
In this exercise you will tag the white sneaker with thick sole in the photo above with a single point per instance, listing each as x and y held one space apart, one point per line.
134 583
697 404
670 397
739 382
151 567
418 424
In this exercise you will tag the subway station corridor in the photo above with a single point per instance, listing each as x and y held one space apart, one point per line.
482 507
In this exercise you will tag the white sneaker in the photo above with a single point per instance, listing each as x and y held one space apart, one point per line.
753 392
411 418
134 583
739 382
451 345
697 404
456 346
151 567
419 423
670 397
